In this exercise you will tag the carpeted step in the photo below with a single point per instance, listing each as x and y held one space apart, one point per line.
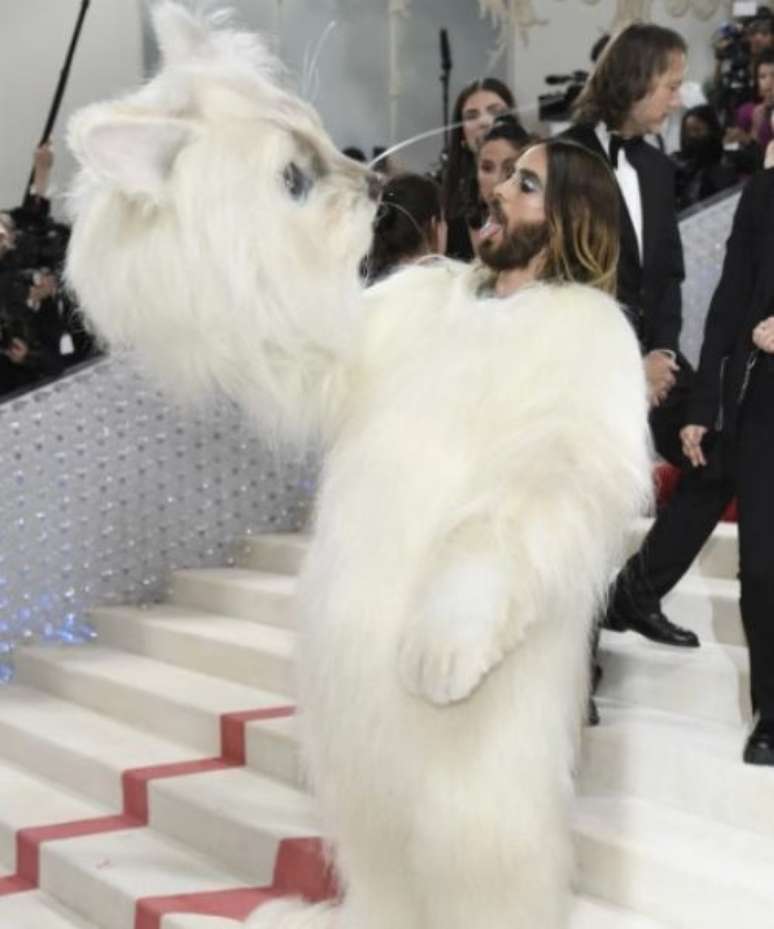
38 910
711 682
258 596
680 761
709 606
28 801
686 870
280 553
102 877
84 751
171 702
242 652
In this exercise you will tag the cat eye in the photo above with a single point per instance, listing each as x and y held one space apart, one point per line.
297 183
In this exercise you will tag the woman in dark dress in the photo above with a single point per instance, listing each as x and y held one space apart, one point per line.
474 113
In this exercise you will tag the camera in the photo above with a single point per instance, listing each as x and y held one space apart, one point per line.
733 44
732 52
557 105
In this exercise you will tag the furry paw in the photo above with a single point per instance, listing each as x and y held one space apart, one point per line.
458 637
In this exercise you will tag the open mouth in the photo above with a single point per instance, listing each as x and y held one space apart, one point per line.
494 224
490 229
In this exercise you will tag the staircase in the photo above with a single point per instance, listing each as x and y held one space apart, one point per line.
150 781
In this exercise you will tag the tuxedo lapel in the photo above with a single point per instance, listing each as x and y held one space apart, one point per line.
651 197
629 244
630 249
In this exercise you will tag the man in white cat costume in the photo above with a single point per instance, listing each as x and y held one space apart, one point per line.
485 449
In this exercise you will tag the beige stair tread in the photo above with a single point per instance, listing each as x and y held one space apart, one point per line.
589 913
733 857
102 876
249 579
280 552
38 910
688 763
257 596
28 801
137 672
77 747
207 626
235 816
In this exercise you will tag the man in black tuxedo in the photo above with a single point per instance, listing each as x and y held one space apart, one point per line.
731 431
634 87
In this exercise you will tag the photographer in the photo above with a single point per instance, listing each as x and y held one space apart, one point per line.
753 120
738 47
40 329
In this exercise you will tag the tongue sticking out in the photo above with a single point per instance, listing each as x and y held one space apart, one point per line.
490 228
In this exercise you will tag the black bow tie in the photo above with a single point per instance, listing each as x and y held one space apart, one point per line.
618 143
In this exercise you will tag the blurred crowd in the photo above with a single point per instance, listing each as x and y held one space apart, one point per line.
41 332
669 145
719 137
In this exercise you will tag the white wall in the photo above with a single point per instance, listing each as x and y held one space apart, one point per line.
352 73
34 36
572 26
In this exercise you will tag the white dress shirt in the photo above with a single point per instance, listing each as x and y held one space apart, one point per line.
629 183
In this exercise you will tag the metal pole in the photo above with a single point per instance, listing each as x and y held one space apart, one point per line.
61 86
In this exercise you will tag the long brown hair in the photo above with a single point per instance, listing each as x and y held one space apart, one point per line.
625 72
581 207
403 223
460 190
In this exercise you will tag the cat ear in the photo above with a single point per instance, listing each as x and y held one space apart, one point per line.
180 34
134 153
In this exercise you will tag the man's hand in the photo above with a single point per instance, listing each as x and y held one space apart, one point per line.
763 335
691 438
660 371
17 351
44 286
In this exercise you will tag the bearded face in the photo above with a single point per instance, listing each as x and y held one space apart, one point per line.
508 246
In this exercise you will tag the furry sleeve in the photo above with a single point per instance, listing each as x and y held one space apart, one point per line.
566 468
574 466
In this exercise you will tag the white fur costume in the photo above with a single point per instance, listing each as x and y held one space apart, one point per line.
483 459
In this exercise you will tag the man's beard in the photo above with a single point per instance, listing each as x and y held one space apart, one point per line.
519 245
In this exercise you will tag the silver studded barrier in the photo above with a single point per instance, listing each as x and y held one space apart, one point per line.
106 487
704 231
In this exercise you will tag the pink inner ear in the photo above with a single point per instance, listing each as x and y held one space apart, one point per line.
136 155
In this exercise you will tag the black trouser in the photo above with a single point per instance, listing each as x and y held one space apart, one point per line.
681 527
756 531
684 525
677 536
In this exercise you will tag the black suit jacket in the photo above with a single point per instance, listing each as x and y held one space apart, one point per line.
744 297
649 289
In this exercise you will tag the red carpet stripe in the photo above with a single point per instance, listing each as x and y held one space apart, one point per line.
232 730
28 841
14 885
134 783
229 904
301 870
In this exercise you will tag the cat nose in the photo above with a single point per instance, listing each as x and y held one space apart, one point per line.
374 184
